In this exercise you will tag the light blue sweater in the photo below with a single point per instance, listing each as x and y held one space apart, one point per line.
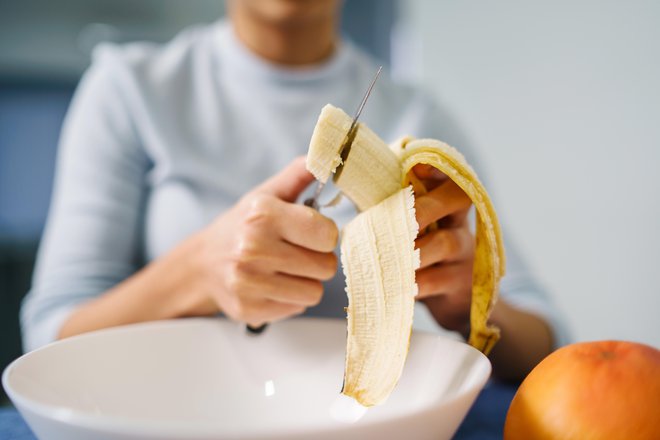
159 140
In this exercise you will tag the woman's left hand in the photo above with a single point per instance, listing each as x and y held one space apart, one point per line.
447 253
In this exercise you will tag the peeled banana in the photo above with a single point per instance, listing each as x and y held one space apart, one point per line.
371 161
379 259
378 247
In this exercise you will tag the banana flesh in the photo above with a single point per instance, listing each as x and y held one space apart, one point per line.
382 291
370 161
378 254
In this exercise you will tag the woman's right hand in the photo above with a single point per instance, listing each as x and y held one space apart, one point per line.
265 258
261 261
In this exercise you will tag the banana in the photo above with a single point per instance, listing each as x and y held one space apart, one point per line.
378 247
371 160
379 259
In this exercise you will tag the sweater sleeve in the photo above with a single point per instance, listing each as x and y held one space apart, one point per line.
92 239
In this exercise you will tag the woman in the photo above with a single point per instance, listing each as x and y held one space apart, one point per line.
161 210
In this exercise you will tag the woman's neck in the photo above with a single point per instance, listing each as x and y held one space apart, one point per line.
292 44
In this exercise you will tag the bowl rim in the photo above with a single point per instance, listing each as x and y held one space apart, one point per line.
127 426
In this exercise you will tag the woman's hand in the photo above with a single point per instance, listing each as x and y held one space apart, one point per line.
261 261
264 259
447 253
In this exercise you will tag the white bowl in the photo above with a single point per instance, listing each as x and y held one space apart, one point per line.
207 379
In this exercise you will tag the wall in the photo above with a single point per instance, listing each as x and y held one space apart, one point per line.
562 101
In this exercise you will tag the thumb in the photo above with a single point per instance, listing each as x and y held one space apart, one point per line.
288 183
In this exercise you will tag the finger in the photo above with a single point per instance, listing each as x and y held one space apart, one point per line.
426 171
298 261
282 288
305 227
257 313
446 199
283 257
444 279
445 245
288 183
459 219
294 290
429 175
455 220
278 311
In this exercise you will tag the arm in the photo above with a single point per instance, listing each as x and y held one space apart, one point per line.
526 339
261 260
159 291
92 239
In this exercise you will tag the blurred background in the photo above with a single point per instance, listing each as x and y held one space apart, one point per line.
560 99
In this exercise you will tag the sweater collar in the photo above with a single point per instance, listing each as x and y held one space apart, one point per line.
239 58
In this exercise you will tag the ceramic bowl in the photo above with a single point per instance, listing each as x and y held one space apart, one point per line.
209 379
